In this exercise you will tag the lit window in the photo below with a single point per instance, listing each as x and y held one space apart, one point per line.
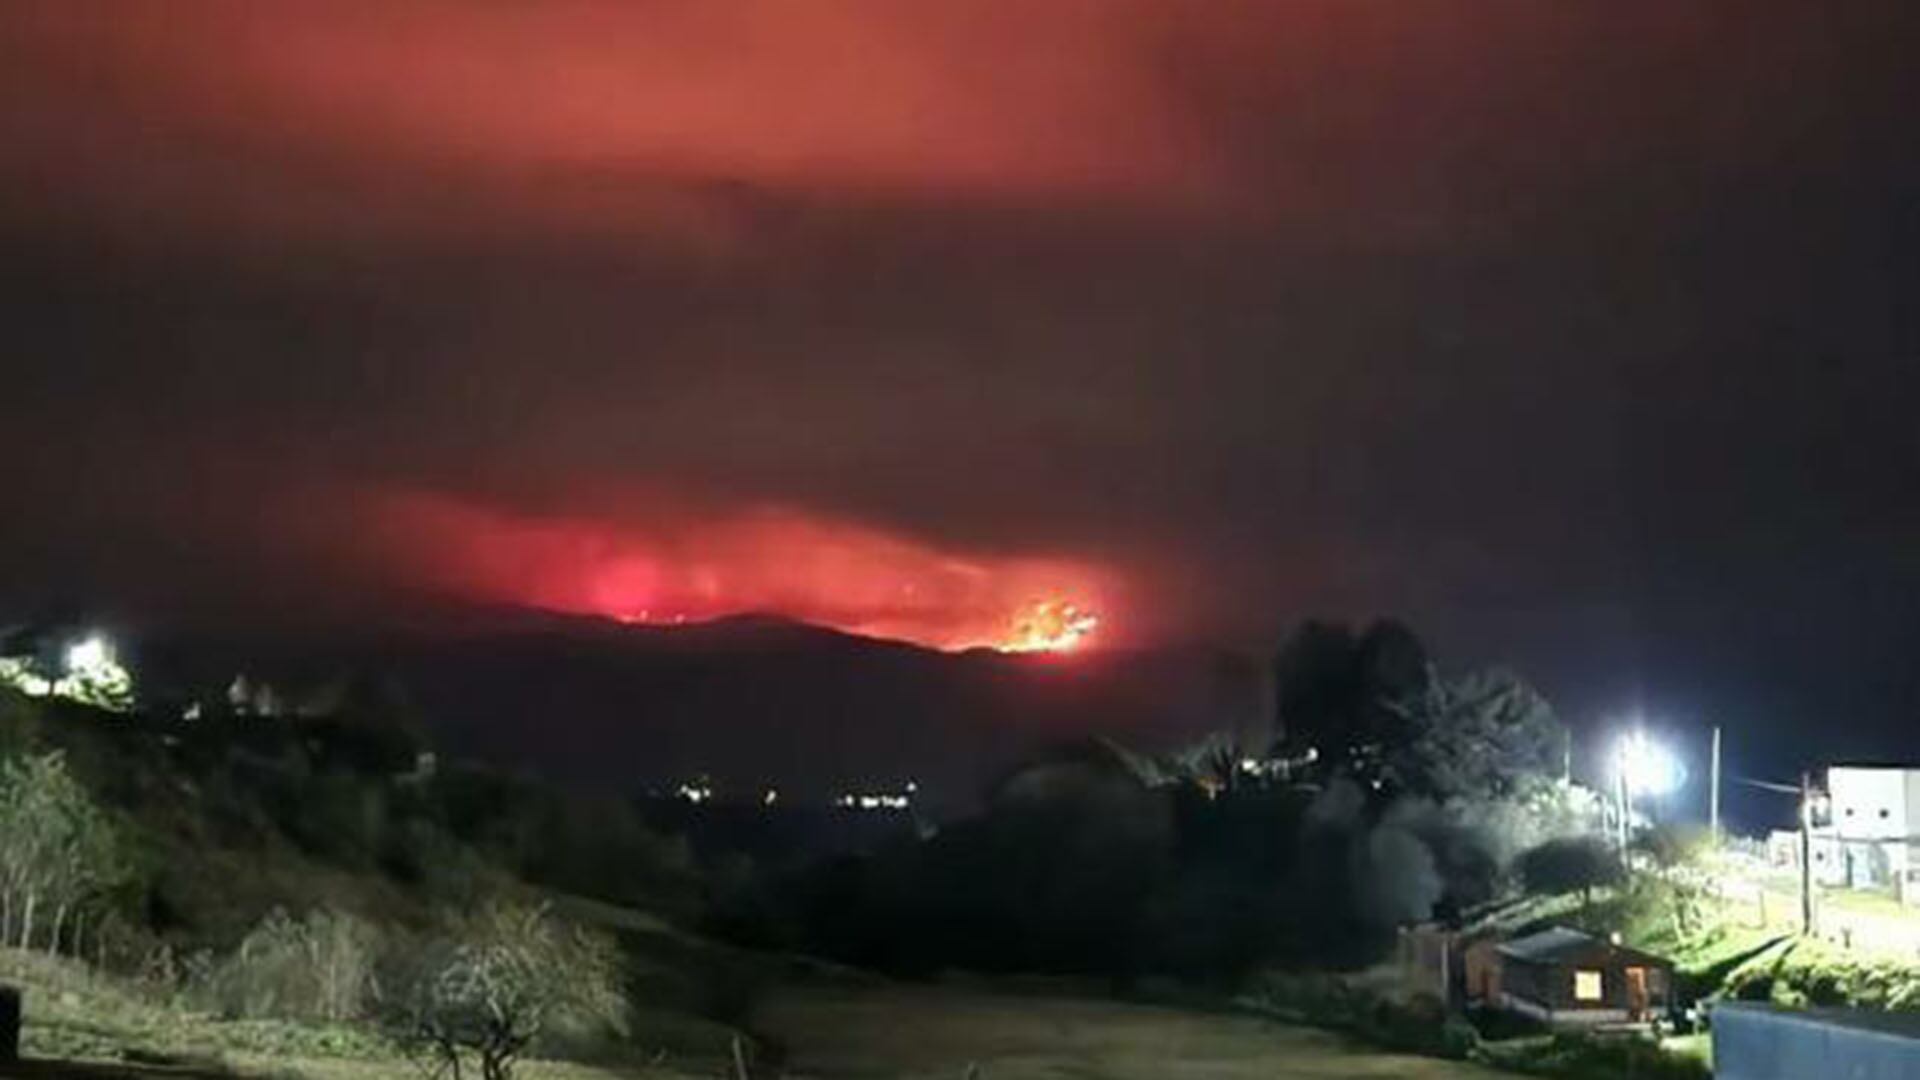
1587 986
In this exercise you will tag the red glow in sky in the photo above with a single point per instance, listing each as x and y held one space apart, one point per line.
683 568
580 110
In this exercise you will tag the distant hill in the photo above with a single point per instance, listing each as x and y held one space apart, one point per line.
752 702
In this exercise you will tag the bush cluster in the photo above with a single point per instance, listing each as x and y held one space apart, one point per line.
318 967
1581 1056
485 985
1807 973
1420 1024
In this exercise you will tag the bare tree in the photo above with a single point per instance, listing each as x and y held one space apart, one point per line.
490 984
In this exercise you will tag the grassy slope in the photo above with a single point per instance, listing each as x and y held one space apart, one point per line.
218 861
1702 957
73 1015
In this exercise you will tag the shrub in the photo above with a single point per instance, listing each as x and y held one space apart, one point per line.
320 967
1570 864
1418 1025
1807 972
1586 1057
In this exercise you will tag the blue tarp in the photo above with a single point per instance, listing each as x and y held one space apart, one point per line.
1766 1042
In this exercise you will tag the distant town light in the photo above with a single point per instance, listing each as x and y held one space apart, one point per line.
880 800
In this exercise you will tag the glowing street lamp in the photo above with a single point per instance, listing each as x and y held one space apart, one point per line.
1646 767
1642 767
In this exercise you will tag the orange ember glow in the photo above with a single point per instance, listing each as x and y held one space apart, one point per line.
676 566
1049 626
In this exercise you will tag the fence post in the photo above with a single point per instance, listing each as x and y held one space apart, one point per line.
9 1025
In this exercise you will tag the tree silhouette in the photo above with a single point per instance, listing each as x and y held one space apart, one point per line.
1375 709
1576 863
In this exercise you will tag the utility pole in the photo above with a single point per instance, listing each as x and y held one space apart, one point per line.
1713 807
1626 810
1806 855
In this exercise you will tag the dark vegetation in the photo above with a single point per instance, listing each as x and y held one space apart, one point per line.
1570 864
610 707
1803 973
327 866
357 800
1397 793
1419 1025
1588 1057
325 870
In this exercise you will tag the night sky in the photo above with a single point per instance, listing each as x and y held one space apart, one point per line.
1576 334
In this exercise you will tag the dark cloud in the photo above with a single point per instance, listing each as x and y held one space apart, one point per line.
1578 331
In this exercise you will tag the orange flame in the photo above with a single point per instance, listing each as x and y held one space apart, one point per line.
1049 626
683 566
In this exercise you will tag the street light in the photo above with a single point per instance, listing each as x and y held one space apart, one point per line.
1642 767
1646 767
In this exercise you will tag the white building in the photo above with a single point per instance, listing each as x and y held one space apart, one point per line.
1871 837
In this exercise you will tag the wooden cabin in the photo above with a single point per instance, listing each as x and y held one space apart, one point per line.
1430 957
1569 978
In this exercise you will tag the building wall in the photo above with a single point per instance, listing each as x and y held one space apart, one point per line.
1906 860
1562 1017
1481 962
1913 801
1874 812
1430 962
1871 803
1783 849
1543 985
1549 988
1829 858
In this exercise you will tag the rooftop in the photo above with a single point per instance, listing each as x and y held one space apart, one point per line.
1548 944
1562 943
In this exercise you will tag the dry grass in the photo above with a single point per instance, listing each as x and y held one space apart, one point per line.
926 1033
326 1069
81 1025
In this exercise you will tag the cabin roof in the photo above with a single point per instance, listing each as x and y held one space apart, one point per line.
1563 944
1548 944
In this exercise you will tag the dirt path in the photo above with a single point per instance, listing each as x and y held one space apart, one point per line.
923 1033
69 1070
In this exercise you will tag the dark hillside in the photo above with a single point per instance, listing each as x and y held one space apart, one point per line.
751 702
